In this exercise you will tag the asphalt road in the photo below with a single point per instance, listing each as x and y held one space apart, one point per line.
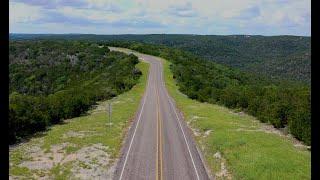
159 144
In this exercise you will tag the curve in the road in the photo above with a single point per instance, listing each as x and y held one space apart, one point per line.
159 144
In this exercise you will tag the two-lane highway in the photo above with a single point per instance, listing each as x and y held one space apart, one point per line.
159 144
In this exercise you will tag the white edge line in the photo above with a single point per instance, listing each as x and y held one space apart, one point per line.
134 133
178 119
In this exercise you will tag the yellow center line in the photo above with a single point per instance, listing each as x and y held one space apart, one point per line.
161 159
157 159
159 141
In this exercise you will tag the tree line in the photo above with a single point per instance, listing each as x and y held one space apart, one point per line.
52 80
276 57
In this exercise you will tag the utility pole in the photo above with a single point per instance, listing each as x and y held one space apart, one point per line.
109 112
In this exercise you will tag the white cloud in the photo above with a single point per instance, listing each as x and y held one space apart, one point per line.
23 13
297 12
106 5
202 16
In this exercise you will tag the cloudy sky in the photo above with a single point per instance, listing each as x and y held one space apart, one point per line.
221 17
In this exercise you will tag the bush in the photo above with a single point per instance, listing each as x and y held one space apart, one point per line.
230 96
27 115
299 119
300 125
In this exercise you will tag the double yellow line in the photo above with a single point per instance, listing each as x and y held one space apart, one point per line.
159 142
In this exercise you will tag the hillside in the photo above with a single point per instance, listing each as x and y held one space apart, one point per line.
276 57
280 104
55 80
233 142
78 141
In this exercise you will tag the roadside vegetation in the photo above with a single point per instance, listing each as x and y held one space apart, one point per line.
84 147
55 80
282 104
236 145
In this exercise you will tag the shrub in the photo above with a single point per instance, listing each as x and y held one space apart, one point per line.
300 125
27 115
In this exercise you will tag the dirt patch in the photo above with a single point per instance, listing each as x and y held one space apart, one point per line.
249 130
270 129
298 144
195 131
40 162
16 177
116 102
73 134
194 118
207 133
197 117
223 173
217 155
90 162
44 161
104 105
79 134
241 113
100 107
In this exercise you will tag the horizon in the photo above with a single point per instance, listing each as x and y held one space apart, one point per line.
157 34
203 17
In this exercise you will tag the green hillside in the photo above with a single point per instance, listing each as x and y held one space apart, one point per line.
55 80
284 57
276 57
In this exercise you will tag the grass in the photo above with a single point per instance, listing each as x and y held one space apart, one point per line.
93 127
248 152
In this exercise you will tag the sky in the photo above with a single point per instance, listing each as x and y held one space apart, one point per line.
218 17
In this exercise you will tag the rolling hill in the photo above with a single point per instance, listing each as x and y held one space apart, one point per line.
276 57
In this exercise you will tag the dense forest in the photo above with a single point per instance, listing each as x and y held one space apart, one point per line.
276 57
55 80
281 103
85 67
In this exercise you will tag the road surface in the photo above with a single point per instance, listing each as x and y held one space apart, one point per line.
159 144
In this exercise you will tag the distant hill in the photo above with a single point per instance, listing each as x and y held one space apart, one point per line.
277 57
